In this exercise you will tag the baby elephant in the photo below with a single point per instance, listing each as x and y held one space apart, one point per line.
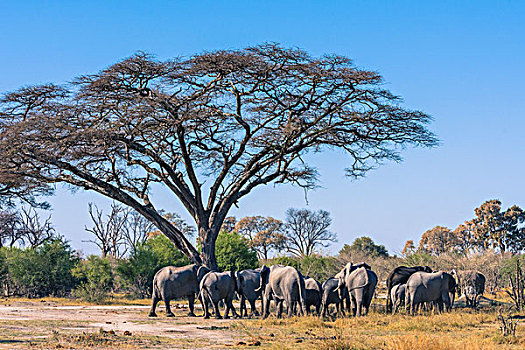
217 286
397 295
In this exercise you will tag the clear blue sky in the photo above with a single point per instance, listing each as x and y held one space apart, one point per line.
462 62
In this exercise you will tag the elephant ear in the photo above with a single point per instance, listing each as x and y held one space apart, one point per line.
239 282
263 280
201 272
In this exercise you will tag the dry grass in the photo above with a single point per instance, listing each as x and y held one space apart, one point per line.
461 329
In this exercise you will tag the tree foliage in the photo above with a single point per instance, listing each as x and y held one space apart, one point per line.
234 252
42 271
438 240
363 247
96 278
500 229
265 234
138 270
209 128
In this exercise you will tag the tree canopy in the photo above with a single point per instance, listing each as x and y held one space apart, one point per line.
209 128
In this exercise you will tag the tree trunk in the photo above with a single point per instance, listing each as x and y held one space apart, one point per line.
208 238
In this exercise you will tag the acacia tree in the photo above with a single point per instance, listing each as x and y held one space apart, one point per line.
210 128
264 233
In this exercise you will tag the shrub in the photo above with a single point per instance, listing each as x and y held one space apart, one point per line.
96 278
46 270
233 252
138 270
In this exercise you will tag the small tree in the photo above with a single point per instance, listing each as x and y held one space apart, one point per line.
96 278
438 240
307 231
409 248
234 253
363 247
10 232
138 270
265 234
33 231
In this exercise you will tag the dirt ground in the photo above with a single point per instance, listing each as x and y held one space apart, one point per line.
48 324
69 324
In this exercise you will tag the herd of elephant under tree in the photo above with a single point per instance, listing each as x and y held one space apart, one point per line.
415 287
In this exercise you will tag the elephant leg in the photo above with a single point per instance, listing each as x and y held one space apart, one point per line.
266 306
217 311
204 303
168 308
242 306
234 313
154 301
226 310
279 305
253 307
191 304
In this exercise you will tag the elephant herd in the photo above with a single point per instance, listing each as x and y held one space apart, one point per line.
354 285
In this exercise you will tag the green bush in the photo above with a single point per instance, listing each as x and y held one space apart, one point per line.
316 266
138 270
233 252
96 279
46 270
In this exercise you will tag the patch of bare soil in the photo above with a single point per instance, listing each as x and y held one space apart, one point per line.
34 323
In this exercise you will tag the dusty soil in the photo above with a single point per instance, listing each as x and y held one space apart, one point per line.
27 324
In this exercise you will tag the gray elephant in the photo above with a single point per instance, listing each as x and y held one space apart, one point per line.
471 284
435 287
247 282
331 295
314 294
217 286
172 282
361 284
282 283
397 296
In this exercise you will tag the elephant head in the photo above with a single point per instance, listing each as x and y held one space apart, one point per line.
341 276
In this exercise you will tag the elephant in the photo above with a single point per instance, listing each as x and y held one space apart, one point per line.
282 283
471 284
333 296
397 295
431 287
400 275
172 282
314 294
361 284
247 282
217 286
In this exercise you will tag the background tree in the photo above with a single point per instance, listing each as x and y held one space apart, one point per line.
499 229
108 231
466 239
234 252
306 231
409 248
265 234
209 128
33 231
138 270
438 240
136 229
10 232
362 247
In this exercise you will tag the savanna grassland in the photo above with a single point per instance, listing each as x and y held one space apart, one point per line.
64 324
